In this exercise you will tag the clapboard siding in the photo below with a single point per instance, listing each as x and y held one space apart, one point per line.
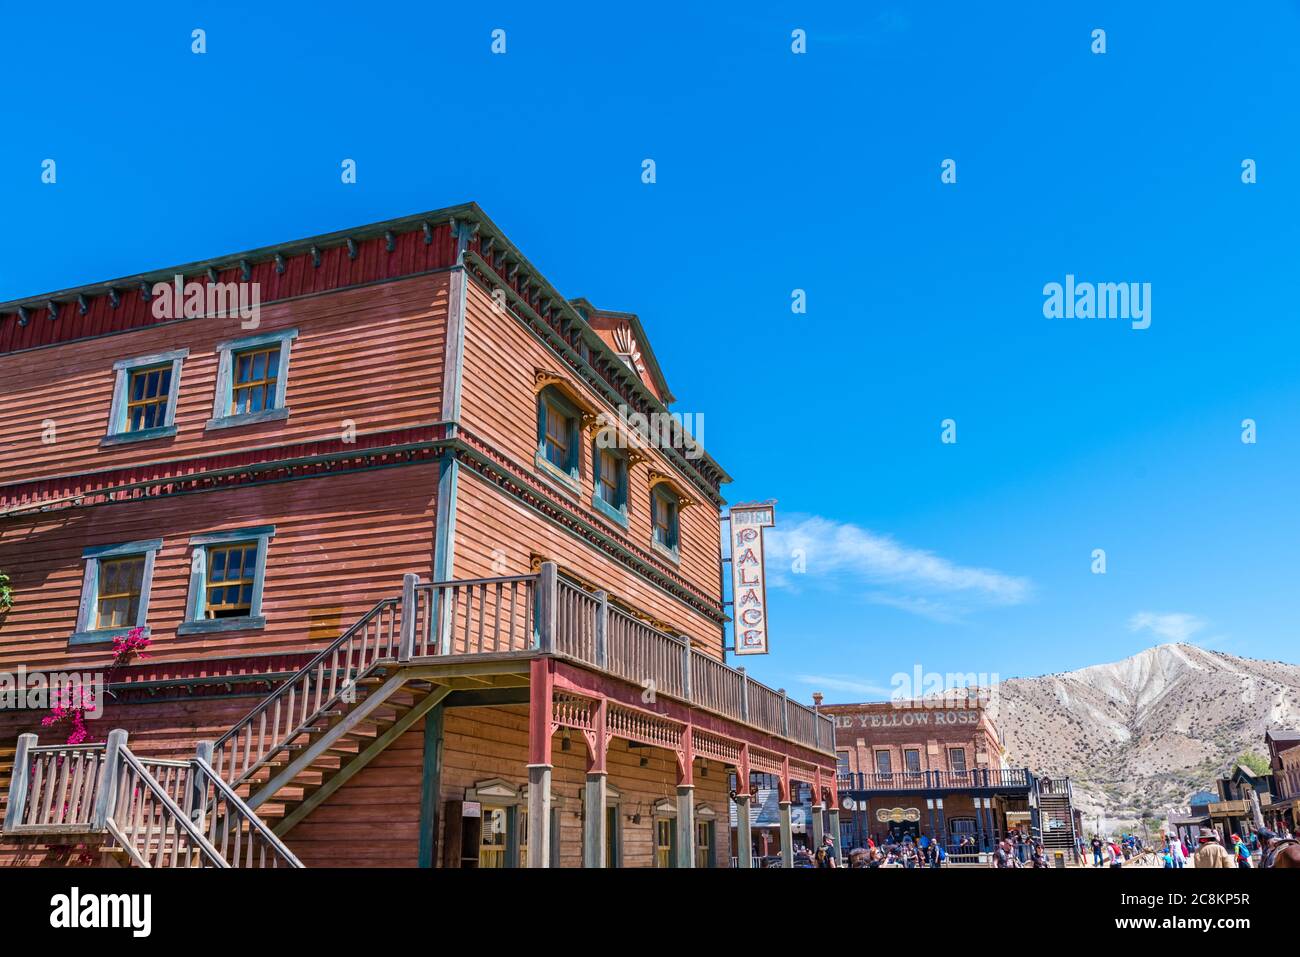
498 535
499 404
339 547
373 356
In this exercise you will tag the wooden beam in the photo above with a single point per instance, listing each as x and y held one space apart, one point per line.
368 754
431 786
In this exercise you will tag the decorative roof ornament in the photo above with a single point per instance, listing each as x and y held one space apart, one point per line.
626 347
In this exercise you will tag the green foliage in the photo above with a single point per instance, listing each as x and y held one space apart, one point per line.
6 593
1255 762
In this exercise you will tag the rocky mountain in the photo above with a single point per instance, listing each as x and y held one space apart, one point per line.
1139 736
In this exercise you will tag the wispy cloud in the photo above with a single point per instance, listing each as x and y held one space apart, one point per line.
1174 626
847 683
816 549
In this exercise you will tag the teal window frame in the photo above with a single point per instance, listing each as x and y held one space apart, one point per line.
123 371
226 352
671 548
196 603
571 472
617 511
85 632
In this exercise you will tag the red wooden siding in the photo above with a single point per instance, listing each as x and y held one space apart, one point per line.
372 355
499 404
338 548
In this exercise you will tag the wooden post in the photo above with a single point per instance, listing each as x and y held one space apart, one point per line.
594 836
602 626
686 669
430 786
540 694
835 836
744 699
546 585
818 825
18 782
685 825
106 799
406 646
785 713
199 784
744 835
787 832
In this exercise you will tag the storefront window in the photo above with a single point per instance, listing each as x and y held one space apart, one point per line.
664 842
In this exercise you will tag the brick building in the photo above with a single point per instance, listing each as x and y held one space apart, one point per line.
920 768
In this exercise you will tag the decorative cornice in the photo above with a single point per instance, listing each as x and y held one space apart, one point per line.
214 472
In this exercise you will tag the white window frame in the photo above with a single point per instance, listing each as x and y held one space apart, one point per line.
221 417
117 433
195 605
86 633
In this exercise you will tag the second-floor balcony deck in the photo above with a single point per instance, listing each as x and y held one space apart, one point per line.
1004 779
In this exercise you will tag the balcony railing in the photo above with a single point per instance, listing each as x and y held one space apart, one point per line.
589 628
936 780
548 613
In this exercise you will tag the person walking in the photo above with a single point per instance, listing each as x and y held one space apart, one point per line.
1240 851
1176 856
1211 853
1096 850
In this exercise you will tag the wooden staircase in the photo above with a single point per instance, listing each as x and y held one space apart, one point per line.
1056 822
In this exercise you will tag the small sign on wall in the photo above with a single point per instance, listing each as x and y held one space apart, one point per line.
471 809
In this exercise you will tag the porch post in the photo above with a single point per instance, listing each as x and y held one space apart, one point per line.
943 829
744 835
686 790
18 782
107 797
594 795
744 831
835 835
818 825
539 760
787 832
686 825
406 641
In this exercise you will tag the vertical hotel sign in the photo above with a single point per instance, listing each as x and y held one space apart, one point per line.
748 582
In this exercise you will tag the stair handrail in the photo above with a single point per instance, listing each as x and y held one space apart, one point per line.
173 816
291 686
243 813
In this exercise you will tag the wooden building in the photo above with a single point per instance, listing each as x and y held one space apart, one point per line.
419 589
936 770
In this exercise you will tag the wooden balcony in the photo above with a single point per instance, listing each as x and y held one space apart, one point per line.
545 613
979 779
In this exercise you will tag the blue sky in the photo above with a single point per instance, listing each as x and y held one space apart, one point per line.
778 171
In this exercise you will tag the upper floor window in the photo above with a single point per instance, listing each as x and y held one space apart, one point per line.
956 759
912 760
115 590
558 428
144 398
842 762
883 763
610 476
227 574
664 518
252 379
